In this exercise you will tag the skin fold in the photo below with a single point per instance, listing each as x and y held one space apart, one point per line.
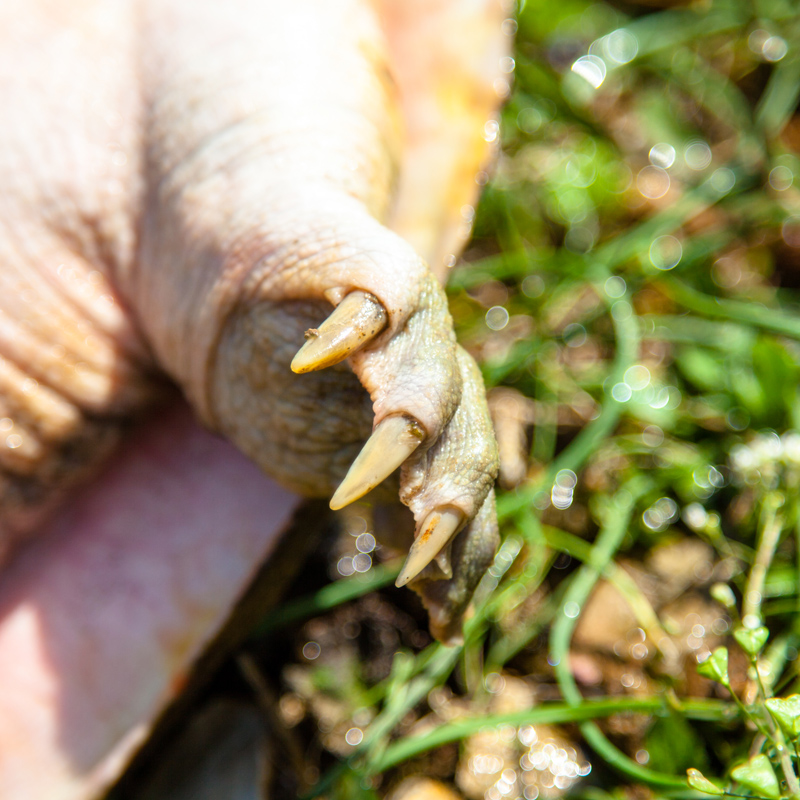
188 188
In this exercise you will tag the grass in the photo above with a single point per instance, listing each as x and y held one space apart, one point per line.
642 240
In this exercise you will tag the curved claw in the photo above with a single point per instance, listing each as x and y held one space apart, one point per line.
435 534
391 443
359 318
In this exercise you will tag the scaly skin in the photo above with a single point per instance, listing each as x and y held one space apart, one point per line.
248 152
183 186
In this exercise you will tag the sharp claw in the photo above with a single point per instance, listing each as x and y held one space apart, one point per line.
435 534
391 443
356 320
444 560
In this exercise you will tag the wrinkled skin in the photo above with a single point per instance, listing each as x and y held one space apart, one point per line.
187 188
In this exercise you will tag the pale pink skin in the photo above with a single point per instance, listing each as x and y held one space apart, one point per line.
164 258
103 615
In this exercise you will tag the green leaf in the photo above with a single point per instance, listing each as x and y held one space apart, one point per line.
674 744
351 786
724 595
715 666
779 98
786 712
702 367
758 776
776 373
698 781
751 640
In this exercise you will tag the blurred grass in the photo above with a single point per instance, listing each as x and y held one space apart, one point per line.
631 286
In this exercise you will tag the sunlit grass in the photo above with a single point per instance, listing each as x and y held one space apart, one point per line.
631 286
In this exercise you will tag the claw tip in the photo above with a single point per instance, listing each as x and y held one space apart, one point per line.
357 319
391 443
296 367
434 534
336 503
404 577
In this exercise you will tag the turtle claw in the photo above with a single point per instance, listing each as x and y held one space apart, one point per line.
358 319
435 533
391 443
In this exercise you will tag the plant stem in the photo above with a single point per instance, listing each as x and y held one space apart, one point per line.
549 714
581 584
788 770
769 535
